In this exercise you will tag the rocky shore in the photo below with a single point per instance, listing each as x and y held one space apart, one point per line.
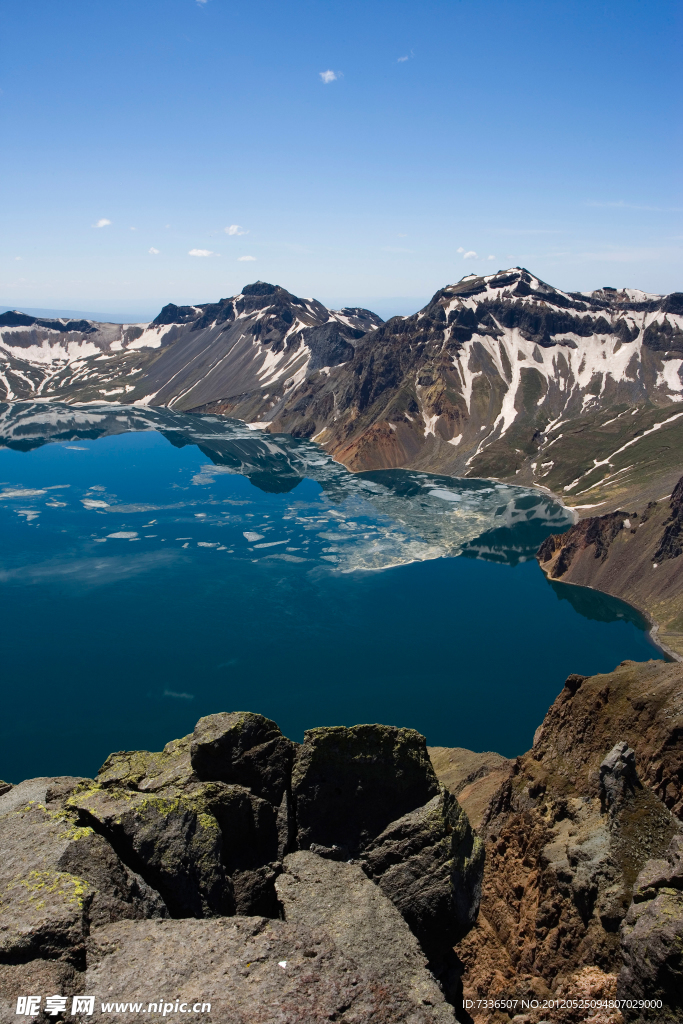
633 555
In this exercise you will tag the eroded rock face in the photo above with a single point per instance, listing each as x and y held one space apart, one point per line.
618 776
568 833
652 939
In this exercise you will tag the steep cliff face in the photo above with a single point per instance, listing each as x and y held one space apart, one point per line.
595 802
634 555
500 376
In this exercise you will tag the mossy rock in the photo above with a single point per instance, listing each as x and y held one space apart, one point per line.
348 783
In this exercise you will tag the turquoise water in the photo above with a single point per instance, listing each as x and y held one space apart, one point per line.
156 567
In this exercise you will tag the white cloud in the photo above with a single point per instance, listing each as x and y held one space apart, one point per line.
235 229
460 249
246 259
328 76
102 223
401 59
153 251
201 252
471 255
133 229
17 258
490 257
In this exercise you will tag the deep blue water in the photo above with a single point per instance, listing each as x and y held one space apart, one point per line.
188 565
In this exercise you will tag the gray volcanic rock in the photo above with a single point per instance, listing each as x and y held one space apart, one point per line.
343 953
188 841
618 776
348 784
57 878
652 939
172 833
430 863
560 868
244 748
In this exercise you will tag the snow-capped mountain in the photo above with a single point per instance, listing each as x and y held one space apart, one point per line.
500 376
186 357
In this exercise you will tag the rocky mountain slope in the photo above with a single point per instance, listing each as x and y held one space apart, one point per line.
499 376
584 870
634 555
341 862
186 357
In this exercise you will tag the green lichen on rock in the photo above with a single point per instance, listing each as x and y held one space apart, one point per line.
39 885
148 770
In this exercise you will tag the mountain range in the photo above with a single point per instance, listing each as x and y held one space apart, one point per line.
501 376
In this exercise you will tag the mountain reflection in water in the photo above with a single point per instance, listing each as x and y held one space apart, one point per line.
156 567
379 519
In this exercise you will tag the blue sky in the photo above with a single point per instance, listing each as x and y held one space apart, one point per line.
546 134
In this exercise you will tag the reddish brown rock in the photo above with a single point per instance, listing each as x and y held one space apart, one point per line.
561 860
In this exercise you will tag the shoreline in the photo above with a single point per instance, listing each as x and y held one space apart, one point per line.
652 632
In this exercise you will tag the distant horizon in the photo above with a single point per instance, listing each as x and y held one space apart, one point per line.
383 306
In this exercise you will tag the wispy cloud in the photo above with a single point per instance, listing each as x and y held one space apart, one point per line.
235 229
173 693
102 223
408 56
153 251
87 572
202 252
246 259
490 257
471 255
460 249
132 229
17 258
328 76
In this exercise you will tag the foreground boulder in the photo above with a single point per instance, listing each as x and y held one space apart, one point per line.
237 827
343 953
59 878
370 792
